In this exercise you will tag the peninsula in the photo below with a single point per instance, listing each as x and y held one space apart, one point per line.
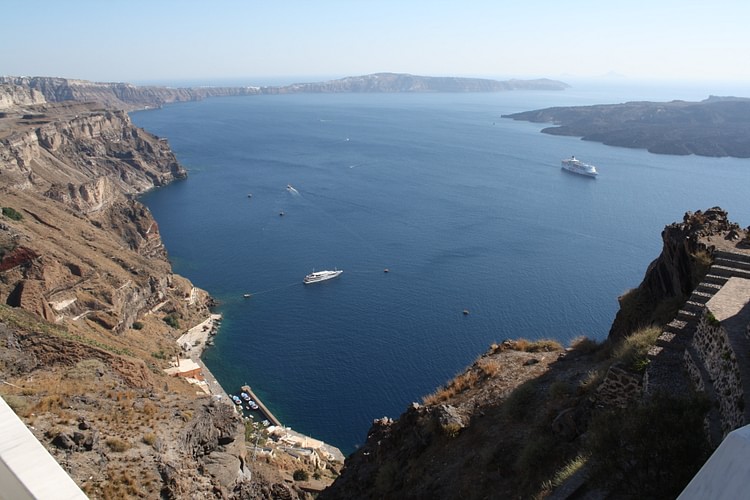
716 126
128 97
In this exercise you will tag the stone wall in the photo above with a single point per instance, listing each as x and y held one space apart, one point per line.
712 346
619 387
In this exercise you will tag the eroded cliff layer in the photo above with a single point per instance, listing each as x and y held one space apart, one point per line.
86 292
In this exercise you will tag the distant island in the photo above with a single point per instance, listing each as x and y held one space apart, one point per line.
127 96
717 126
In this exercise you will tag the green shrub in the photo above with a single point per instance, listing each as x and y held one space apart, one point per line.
137 325
651 450
536 456
159 355
11 213
711 319
521 401
171 320
301 475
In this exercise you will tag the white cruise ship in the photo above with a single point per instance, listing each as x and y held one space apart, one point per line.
314 277
576 166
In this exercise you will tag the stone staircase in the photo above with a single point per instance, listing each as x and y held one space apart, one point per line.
670 356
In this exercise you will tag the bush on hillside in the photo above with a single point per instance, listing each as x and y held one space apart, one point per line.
11 213
651 450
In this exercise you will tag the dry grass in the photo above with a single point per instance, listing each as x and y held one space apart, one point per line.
149 438
584 345
460 383
116 444
591 381
525 345
632 352
565 472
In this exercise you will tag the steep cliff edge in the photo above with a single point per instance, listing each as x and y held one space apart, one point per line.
634 417
86 291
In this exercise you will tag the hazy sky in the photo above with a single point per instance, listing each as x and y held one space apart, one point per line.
137 40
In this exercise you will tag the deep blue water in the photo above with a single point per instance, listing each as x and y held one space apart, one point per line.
467 211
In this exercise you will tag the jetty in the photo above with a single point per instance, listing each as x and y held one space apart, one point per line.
263 408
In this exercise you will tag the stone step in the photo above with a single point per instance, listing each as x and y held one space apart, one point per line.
732 262
687 315
729 271
700 297
680 327
736 256
706 287
714 279
671 340
693 306
667 373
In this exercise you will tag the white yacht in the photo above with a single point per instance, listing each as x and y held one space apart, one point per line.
314 277
576 166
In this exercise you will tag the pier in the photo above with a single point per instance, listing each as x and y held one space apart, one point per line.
270 416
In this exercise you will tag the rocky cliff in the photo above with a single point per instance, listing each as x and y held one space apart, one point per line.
127 96
633 417
118 95
86 291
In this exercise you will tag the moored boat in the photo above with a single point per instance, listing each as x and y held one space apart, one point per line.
315 277
576 166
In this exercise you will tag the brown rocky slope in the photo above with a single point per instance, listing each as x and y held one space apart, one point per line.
86 287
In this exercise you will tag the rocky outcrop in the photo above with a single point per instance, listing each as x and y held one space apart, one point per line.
672 276
12 96
717 126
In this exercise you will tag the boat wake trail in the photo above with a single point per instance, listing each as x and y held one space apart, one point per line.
276 289
292 190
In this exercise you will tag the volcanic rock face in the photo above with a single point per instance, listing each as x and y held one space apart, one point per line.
69 172
676 271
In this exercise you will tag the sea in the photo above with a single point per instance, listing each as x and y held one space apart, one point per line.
483 236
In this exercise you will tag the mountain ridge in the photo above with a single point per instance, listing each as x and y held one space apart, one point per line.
129 97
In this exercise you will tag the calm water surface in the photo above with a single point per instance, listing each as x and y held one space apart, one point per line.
467 211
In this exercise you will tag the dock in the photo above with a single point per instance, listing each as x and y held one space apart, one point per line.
270 416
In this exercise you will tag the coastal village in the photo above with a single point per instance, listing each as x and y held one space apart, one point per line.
277 438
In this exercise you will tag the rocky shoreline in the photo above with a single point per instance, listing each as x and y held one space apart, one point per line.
93 313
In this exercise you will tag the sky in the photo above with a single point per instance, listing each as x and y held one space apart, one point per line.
171 40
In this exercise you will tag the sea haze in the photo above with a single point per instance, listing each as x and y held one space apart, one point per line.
465 209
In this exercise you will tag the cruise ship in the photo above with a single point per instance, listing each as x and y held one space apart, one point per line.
576 166
314 277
